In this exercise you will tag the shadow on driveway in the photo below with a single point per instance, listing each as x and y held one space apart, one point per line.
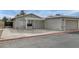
77 32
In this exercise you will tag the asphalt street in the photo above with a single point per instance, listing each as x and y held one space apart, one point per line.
67 40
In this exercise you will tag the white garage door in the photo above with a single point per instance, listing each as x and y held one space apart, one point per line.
71 24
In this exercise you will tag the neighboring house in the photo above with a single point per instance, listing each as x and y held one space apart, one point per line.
57 22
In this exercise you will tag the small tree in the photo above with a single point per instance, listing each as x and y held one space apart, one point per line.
17 15
5 19
22 12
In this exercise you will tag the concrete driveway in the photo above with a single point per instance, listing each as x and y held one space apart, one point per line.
67 40
9 33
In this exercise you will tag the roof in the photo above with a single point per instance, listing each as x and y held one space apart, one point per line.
28 15
62 16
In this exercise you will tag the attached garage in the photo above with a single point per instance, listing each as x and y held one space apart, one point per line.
53 24
71 24
62 23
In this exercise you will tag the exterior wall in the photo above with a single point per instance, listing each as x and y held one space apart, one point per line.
78 24
63 24
19 23
53 24
1 24
26 21
38 24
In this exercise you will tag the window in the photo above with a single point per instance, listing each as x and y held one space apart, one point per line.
29 23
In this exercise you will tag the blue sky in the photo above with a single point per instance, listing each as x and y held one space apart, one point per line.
44 13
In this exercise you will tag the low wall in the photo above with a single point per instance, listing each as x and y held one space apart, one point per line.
1 24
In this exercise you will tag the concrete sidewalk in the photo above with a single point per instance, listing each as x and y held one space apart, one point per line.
15 34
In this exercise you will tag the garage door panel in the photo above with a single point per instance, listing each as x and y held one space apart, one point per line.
71 24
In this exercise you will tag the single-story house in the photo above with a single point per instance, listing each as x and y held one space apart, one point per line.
28 21
57 22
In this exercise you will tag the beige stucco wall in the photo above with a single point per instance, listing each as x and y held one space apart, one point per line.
19 23
38 24
62 24
53 24
78 24
1 24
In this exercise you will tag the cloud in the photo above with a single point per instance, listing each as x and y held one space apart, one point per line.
43 13
67 12
72 12
9 16
8 13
